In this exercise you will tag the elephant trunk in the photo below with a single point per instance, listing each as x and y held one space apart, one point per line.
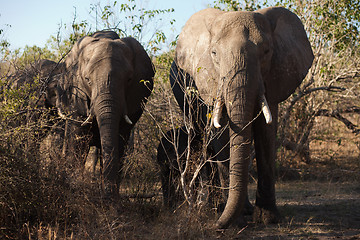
240 99
219 103
108 115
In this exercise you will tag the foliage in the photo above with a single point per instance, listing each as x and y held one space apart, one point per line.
233 5
330 89
131 19
127 19
338 21
74 31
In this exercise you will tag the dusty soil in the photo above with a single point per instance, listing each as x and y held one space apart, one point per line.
313 210
320 200
310 210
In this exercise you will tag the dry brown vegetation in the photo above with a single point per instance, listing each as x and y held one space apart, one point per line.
52 197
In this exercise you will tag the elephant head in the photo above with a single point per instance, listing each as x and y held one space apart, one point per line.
105 80
244 62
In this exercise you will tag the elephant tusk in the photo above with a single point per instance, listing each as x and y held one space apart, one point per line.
127 119
217 111
87 121
266 110
61 114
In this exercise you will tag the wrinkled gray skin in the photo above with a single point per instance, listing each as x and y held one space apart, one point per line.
234 59
103 80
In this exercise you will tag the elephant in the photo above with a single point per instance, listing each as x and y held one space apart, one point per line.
28 83
173 140
103 87
230 67
176 141
40 70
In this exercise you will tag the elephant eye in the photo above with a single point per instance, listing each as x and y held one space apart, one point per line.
214 57
267 51
88 80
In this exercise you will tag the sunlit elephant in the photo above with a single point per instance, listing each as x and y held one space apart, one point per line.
232 66
104 85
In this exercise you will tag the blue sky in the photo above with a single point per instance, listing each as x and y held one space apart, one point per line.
33 21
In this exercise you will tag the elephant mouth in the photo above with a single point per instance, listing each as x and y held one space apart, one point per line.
219 104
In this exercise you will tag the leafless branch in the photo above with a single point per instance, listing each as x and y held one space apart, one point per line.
336 114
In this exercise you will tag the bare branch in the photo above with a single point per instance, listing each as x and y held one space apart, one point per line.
336 114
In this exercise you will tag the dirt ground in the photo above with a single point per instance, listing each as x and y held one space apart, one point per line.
317 200
313 210
320 200
310 210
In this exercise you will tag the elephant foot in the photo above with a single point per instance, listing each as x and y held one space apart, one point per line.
248 208
238 222
266 215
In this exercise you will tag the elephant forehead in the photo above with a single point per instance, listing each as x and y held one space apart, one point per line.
91 51
105 48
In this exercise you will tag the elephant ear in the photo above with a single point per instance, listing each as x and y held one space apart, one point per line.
193 53
141 80
143 68
53 80
292 54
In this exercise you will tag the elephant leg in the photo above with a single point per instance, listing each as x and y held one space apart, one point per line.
221 153
174 140
92 159
264 137
165 155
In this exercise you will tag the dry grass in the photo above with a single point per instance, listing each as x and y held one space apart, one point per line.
57 199
61 201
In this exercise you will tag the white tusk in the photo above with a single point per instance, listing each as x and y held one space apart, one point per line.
61 114
217 124
87 121
217 113
266 110
127 119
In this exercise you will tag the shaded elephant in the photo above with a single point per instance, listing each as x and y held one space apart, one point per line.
231 66
104 85
33 79
172 152
26 87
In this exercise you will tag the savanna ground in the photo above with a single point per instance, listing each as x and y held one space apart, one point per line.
320 200
58 199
